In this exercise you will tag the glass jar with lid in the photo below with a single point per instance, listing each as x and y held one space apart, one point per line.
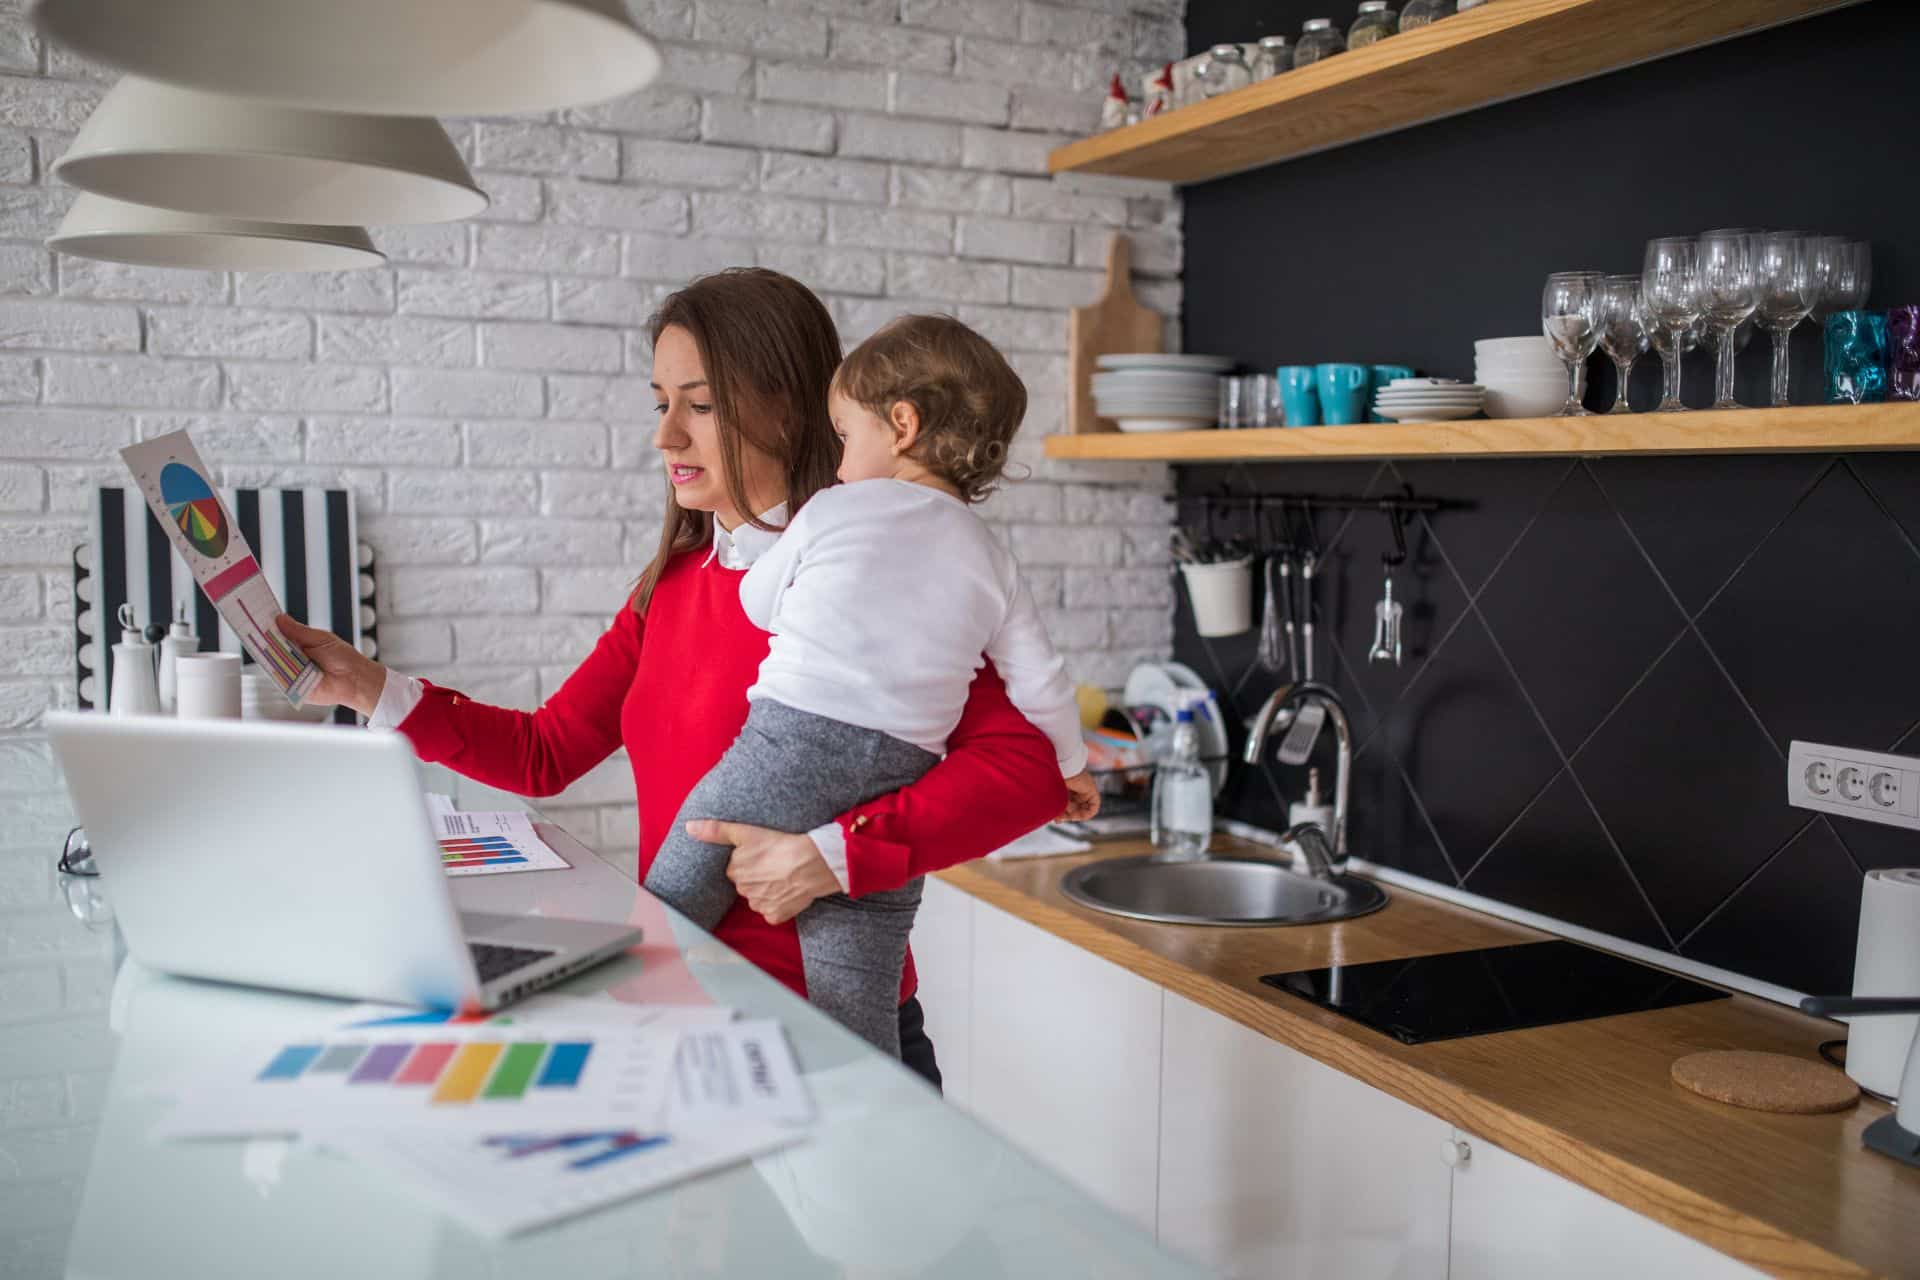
1226 70
1275 55
1418 13
1376 22
1318 39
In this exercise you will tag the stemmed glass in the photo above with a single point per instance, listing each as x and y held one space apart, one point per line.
1623 333
1852 277
1783 272
1566 316
1727 296
1670 298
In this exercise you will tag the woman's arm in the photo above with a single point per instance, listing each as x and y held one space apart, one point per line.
1000 780
533 753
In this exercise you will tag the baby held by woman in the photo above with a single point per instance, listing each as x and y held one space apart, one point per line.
883 597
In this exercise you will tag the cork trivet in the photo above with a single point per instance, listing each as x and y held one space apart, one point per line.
1766 1081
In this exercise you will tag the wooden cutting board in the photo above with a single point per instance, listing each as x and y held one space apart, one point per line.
1115 324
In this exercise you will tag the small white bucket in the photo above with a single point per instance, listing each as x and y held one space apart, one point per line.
1221 595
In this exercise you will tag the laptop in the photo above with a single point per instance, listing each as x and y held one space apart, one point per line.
296 857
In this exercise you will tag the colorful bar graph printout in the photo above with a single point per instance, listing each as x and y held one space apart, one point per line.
563 1065
490 843
485 1070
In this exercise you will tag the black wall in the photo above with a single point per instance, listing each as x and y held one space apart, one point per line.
1607 657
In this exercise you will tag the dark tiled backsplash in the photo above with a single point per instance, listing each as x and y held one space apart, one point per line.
1605 661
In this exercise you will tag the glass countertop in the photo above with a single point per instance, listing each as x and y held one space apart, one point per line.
894 1182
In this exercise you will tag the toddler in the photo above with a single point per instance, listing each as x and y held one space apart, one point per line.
882 596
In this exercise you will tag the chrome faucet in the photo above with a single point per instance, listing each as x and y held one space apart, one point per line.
1278 711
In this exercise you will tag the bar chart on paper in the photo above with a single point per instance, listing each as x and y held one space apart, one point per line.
480 844
473 1079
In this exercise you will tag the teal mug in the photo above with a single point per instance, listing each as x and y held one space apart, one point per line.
1298 399
1383 375
1343 393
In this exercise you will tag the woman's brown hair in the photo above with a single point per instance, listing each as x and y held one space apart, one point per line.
769 349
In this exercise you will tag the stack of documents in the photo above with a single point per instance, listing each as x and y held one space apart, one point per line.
512 1120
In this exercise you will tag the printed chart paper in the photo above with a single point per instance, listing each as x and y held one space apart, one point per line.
473 1079
168 471
486 844
513 1182
737 1094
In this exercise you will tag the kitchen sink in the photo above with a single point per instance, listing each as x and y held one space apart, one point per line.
1238 891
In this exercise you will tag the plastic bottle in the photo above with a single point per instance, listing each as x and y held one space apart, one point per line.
180 639
1182 795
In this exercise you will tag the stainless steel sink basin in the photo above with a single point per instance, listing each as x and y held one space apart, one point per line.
1242 891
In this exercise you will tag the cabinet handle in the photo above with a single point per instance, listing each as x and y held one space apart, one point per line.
1455 1154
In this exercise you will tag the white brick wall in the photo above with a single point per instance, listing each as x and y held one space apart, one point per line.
484 393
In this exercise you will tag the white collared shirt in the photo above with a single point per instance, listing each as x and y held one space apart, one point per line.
736 550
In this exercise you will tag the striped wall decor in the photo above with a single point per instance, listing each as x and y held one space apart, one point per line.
306 540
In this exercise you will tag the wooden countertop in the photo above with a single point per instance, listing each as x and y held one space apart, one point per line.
1592 1101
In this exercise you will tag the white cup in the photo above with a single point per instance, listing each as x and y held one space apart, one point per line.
207 686
1222 596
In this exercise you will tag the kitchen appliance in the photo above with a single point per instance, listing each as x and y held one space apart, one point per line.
1490 990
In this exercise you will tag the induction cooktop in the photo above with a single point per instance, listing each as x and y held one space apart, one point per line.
1476 993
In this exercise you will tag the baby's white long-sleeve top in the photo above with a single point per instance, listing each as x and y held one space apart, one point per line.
882 597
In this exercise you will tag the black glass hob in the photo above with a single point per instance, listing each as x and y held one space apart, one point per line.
1476 993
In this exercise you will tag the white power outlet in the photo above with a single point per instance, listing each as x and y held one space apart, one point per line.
1854 784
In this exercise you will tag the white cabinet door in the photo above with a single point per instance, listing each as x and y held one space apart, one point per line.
1066 1059
943 957
1272 1164
1513 1220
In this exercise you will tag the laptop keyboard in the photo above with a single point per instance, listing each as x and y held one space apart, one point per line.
495 961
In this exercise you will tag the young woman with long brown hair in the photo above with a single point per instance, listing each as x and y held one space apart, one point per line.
742 365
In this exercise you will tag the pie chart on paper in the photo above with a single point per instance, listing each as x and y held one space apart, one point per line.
193 506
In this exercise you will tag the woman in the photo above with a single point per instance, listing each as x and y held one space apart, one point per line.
741 366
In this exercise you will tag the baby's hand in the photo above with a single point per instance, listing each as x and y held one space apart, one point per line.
1083 797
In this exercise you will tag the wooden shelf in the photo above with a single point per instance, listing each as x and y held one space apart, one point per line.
1802 429
1503 49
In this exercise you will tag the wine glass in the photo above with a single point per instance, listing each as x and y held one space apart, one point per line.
1566 316
1670 297
1783 273
1727 297
1852 278
1623 332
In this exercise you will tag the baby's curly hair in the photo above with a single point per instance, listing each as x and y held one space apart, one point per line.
969 399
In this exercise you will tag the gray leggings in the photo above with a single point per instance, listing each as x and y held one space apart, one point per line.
793 771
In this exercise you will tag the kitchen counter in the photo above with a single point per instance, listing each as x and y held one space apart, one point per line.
892 1181
1591 1101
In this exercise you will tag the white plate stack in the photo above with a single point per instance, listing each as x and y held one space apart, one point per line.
1523 377
1159 392
1428 400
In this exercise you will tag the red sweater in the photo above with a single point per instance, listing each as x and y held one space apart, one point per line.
673 690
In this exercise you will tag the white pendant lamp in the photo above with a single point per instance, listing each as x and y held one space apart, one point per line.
400 57
154 144
114 231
